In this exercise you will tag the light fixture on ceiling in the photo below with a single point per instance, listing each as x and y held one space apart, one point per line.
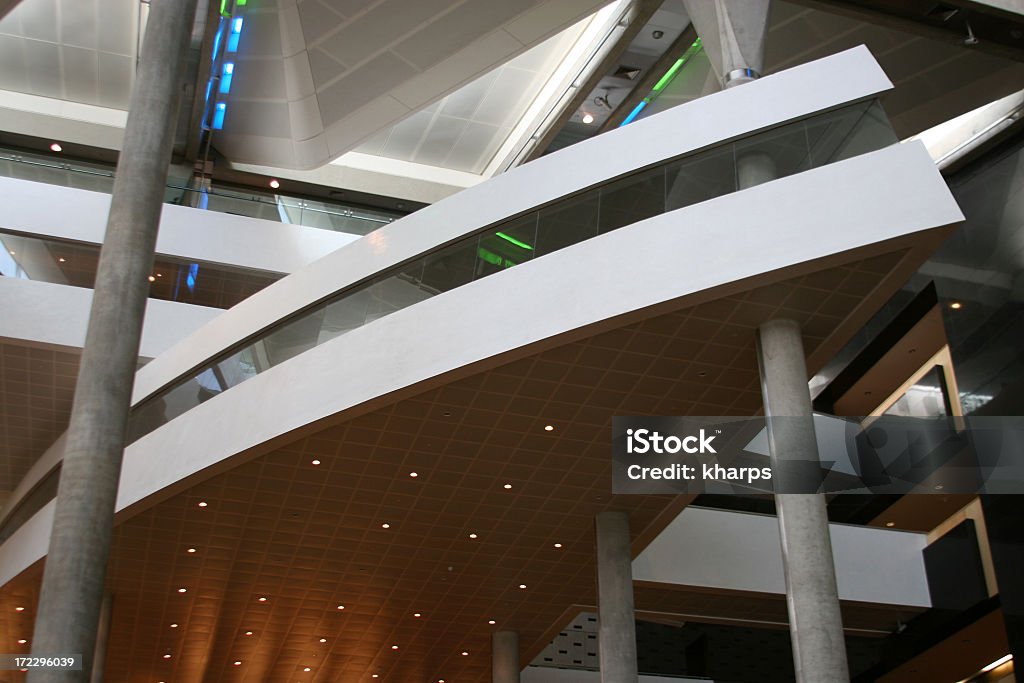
998 663
472 535
340 607
261 599
314 462
323 640
558 545
19 609
248 633
657 34
167 656
588 118
152 278
202 503
385 525
522 586
55 147
62 260
237 663
21 641
275 183
890 524
956 305
306 668
492 622
508 486
549 428
414 474
174 626
417 614
191 550
465 654
182 590
375 676
394 647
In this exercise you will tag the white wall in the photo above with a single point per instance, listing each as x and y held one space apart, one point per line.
47 313
81 215
741 551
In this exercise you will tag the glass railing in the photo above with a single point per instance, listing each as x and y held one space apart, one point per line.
171 278
810 143
252 204
697 177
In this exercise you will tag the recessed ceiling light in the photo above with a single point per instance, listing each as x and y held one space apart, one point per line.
237 663
248 633
890 524
385 525
956 304
341 606
323 640
558 545
522 585
939 487
274 183
417 615
152 278
508 486
492 622
62 259
306 668
19 609
315 462
472 535
465 654
394 647
202 503
549 428
191 550
375 676
414 474
588 118
55 147
174 626
159 274
182 590
22 641
167 656
262 599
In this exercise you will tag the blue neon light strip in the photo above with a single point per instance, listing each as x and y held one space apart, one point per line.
218 115
225 77
633 114
236 33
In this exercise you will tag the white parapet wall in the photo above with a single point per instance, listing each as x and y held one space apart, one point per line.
57 315
42 210
742 551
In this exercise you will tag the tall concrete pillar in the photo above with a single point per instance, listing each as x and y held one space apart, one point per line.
99 660
815 624
616 616
505 657
73 579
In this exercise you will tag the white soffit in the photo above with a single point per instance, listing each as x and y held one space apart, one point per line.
314 78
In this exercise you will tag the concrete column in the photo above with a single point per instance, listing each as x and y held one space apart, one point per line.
815 624
616 617
73 580
99 660
733 34
505 657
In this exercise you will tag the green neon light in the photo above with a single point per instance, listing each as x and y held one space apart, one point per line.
513 240
669 74
241 3
224 8
489 256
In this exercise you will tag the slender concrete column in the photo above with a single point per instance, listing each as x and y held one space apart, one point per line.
505 657
733 34
73 580
815 624
616 617
99 660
